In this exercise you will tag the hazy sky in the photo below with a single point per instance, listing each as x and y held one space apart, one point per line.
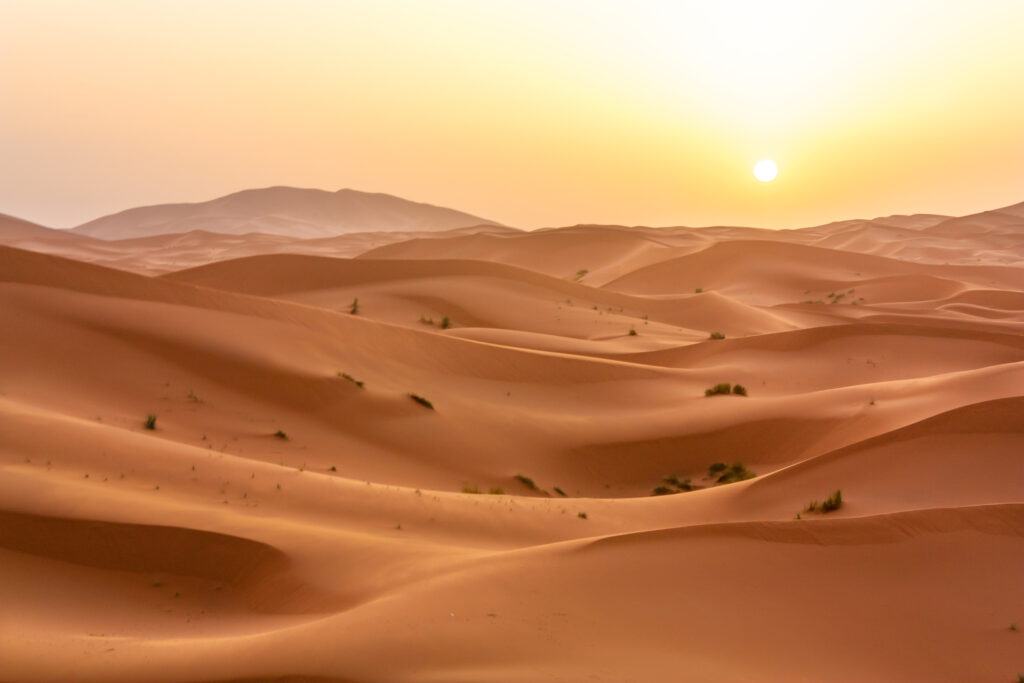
530 113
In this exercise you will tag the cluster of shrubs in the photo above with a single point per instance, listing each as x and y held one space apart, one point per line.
727 474
833 502
672 484
719 472
445 323
494 491
522 479
724 388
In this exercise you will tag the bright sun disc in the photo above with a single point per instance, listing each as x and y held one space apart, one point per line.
765 170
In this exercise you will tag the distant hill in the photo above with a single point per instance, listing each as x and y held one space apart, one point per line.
295 212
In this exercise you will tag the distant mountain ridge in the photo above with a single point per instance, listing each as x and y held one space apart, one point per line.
295 212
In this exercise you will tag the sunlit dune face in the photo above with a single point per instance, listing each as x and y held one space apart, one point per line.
765 170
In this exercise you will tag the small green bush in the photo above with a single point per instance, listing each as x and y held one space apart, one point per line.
426 321
496 491
150 422
699 290
663 491
674 480
715 468
723 388
560 492
812 506
527 482
581 515
739 390
354 307
446 322
632 332
281 435
471 489
717 335
735 472
422 401
580 274
833 502
350 378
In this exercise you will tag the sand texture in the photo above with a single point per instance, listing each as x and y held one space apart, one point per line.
294 515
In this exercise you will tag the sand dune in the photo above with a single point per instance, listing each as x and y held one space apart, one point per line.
294 514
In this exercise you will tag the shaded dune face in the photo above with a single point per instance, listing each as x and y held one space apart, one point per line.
256 572
435 457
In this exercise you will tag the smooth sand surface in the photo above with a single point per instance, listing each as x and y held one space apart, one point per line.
296 516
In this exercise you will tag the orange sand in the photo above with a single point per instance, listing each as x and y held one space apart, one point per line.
210 549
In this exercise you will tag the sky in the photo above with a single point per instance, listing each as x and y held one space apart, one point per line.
532 113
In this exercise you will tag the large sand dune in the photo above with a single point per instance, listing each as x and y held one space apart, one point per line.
295 515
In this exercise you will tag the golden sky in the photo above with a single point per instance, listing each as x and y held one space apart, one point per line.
531 113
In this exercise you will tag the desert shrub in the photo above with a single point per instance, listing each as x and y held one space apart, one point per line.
150 422
833 502
715 469
717 335
581 515
333 469
471 489
560 492
674 480
350 378
812 506
281 435
663 491
722 388
496 491
426 321
580 274
527 482
735 472
354 307
422 401
446 322
632 332
739 390
699 290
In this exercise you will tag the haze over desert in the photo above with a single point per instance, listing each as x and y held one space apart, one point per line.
464 342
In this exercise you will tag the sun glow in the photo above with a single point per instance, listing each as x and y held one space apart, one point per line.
765 170
521 112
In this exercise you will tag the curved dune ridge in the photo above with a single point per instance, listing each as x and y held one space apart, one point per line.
481 454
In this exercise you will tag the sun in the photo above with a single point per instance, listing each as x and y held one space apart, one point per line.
765 170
